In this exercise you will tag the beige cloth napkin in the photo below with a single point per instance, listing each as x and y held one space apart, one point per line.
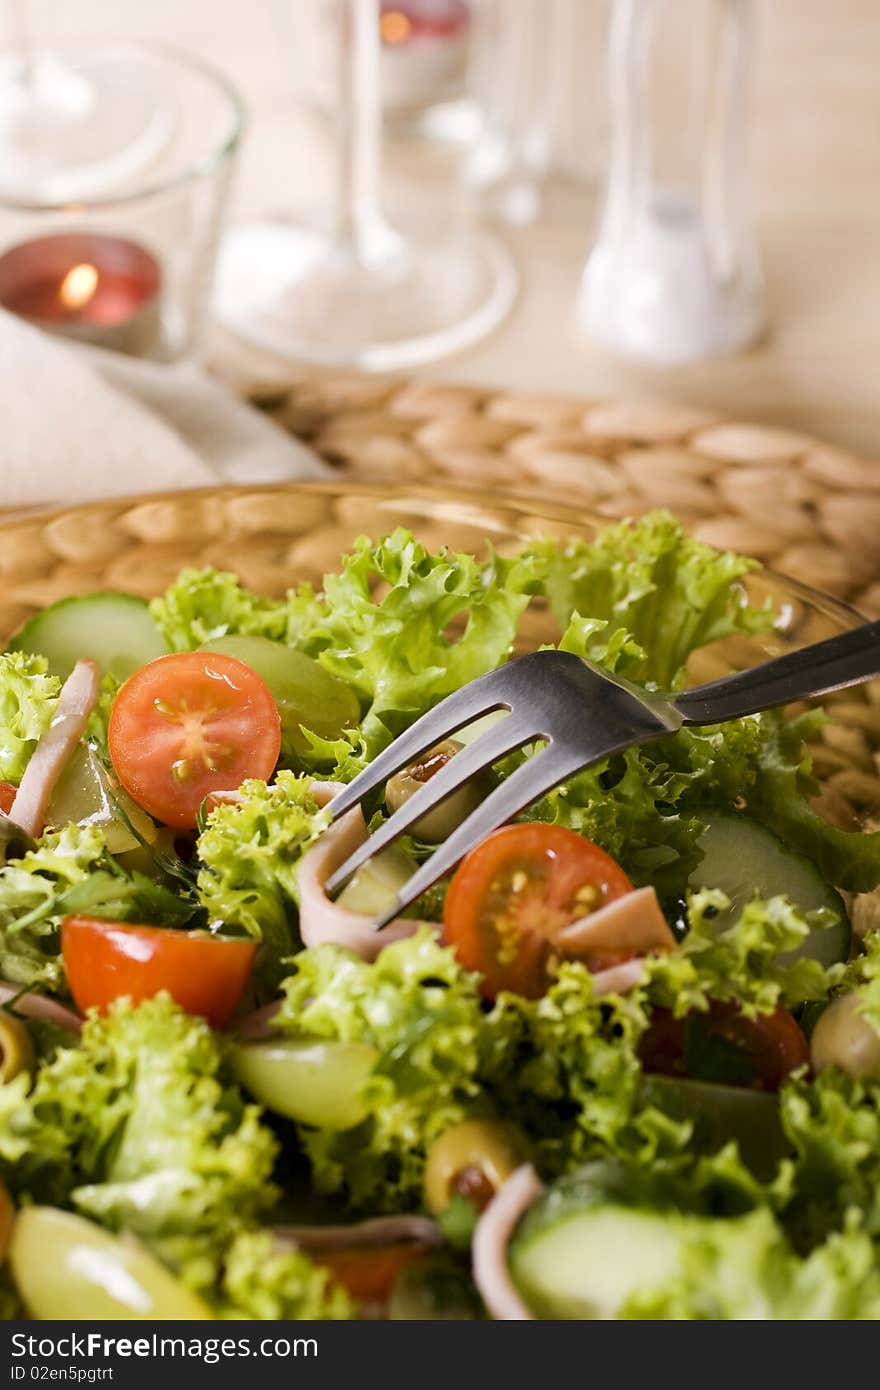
78 424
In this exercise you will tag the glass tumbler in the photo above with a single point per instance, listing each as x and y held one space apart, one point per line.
129 266
674 275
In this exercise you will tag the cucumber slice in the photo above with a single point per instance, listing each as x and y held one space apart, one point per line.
115 630
745 860
590 1261
304 692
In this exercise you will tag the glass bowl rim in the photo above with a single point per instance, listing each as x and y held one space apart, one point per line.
199 168
837 609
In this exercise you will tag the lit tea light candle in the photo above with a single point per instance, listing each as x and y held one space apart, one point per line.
424 50
97 289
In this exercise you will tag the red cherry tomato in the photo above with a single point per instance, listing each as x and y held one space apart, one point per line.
189 724
104 961
510 897
7 796
723 1045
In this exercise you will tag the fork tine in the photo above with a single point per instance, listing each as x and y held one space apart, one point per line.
541 772
480 696
495 743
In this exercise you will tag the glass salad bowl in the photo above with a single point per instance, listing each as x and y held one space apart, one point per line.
279 536
276 536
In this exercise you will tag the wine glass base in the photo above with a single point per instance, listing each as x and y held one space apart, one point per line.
295 293
76 128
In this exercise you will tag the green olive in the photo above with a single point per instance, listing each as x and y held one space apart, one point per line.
7 1216
68 1268
845 1038
473 1159
315 1083
16 1048
438 824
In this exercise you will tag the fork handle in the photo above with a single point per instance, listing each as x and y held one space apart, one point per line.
847 659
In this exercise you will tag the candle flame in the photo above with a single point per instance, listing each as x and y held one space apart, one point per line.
78 286
395 26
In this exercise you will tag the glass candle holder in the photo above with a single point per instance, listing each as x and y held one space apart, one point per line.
130 267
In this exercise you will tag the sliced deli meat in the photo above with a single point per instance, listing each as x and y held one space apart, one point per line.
634 923
321 919
78 697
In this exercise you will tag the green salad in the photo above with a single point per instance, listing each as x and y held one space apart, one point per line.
623 1063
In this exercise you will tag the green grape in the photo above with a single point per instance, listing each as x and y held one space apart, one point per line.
68 1268
315 1083
304 692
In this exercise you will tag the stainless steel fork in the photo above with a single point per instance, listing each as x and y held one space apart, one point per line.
582 714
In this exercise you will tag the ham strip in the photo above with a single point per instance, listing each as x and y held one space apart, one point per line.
258 1025
322 920
324 792
78 697
383 1230
40 1008
491 1240
620 979
634 922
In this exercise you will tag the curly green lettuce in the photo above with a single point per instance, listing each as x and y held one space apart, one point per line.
28 697
204 605
833 1125
863 978
264 1281
745 1270
748 962
69 872
437 622
566 1067
423 1013
778 795
139 1128
644 595
249 853
31 906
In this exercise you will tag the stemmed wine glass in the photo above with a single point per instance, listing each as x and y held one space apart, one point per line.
361 292
76 120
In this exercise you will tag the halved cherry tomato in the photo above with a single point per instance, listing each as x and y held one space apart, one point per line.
205 974
510 897
723 1045
189 724
369 1275
7 796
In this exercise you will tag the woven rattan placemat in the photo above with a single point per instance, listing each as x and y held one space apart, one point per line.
807 509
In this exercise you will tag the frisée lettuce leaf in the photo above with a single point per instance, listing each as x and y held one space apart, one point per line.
744 1269
423 1013
31 889
747 963
438 622
249 853
650 595
205 604
28 697
139 1128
